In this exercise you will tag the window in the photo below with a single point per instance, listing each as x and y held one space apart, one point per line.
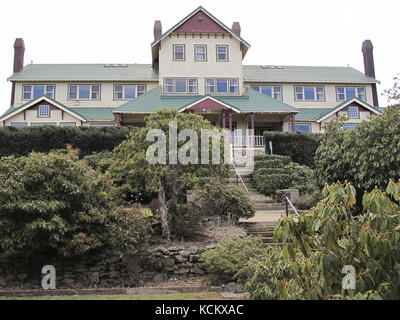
349 126
309 93
222 85
345 93
101 125
67 124
180 85
18 124
41 124
271 91
44 111
35 91
353 113
222 53
200 52
179 52
83 92
301 127
128 92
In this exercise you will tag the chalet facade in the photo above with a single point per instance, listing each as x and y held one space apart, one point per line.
197 66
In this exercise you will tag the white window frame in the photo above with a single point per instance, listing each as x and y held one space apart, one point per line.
183 52
91 92
196 52
101 125
41 124
227 52
42 115
349 124
173 85
274 91
358 93
47 92
137 91
212 88
301 124
355 115
19 124
302 93
67 124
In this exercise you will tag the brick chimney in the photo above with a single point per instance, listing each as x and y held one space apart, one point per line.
19 50
157 29
369 67
236 28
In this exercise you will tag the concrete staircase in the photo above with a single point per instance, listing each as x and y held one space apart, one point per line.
268 211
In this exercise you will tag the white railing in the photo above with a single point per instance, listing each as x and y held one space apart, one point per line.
241 141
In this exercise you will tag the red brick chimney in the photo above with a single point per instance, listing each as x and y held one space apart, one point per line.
19 50
236 28
157 29
369 67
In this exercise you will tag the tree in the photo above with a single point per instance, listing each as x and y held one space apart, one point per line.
393 94
330 236
166 177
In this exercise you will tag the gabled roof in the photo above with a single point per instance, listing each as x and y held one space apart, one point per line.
82 113
86 72
346 103
13 111
304 74
200 8
252 101
311 113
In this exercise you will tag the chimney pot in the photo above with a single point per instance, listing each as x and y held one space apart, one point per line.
236 28
157 29
19 51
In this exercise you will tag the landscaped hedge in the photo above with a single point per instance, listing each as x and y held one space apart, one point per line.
262 157
299 146
269 184
22 141
268 164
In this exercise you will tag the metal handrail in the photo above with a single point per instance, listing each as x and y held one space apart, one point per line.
240 178
288 202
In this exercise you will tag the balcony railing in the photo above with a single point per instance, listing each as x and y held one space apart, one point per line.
243 141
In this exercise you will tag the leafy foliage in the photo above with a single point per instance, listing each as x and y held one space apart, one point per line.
367 156
54 202
299 146
276 163
268 184
99 160
393 94
330 236
301 177
262 157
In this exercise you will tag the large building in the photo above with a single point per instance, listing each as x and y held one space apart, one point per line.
197 66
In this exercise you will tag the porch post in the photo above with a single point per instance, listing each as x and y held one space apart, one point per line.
223 121
293 122
230 127
118 119
253 139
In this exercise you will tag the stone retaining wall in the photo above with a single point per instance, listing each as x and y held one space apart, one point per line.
105 269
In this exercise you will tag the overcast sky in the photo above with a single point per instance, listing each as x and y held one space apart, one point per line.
281 32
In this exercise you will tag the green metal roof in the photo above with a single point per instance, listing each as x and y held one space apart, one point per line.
191 14
312 114
304 74
251 101
86 72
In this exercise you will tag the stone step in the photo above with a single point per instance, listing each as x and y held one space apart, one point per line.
267 206
268 239
260 224
263 234
262 201
256 229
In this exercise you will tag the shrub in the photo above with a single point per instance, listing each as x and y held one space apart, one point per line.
367 156
277 163
266 171
217 198
54 202
299 146
301 177
262 157
99 160
226 261
184 220
270 183
22 141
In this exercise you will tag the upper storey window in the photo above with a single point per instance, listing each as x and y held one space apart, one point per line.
200 52
222 85
180 85
222 53
128 92
345 93
179 52
309 93
271 91
83 92
35 91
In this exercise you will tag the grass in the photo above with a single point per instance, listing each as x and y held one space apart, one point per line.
181 296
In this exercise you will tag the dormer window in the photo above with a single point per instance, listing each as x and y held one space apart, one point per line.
44 111
222 53
179 52
200 52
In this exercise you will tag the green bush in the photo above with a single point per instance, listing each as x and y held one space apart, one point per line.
99 160
54 202
226 262
217 198
367 156
301 177
268 184
184 220
262 157
267 171
277 163
22 141
299 146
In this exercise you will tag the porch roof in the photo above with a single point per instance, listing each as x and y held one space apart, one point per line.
251 101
